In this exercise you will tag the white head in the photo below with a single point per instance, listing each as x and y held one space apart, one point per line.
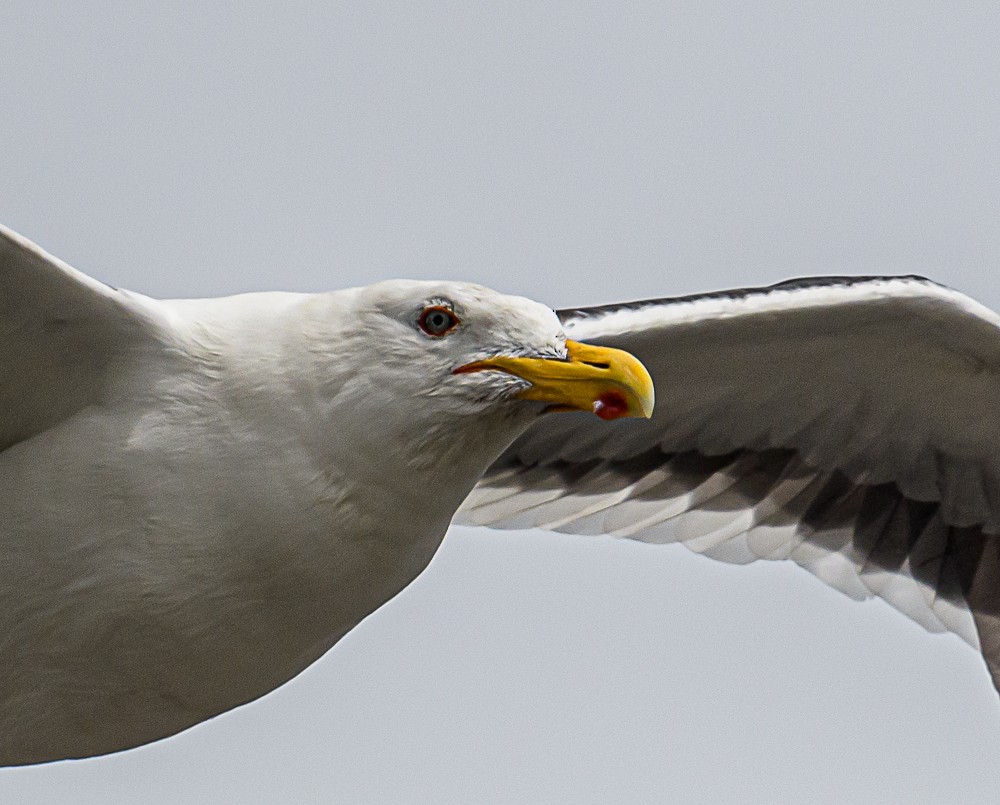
466 349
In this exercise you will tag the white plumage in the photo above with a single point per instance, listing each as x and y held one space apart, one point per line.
203 496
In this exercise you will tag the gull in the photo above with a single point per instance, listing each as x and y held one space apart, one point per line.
202 496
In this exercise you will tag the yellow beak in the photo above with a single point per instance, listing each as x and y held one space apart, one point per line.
609 382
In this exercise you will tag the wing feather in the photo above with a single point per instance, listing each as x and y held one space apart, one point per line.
848 424
61 334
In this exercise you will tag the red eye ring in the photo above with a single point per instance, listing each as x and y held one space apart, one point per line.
437 320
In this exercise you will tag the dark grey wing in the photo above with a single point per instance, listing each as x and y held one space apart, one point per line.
848 424
61 335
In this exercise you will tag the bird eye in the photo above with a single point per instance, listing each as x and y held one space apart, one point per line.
437 320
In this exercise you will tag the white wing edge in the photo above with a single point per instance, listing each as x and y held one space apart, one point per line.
619 319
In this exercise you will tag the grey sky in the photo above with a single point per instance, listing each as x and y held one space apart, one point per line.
574 153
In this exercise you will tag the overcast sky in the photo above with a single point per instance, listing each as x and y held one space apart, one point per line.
575 153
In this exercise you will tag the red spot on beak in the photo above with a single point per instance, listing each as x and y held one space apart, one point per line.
611 405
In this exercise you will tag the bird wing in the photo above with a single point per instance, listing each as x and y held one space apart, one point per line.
61 335
849 424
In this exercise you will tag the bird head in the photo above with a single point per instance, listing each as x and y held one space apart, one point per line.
467 349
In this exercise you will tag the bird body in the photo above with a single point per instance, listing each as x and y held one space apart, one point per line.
202 496
245 490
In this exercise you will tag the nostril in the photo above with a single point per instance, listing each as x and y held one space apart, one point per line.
597 365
